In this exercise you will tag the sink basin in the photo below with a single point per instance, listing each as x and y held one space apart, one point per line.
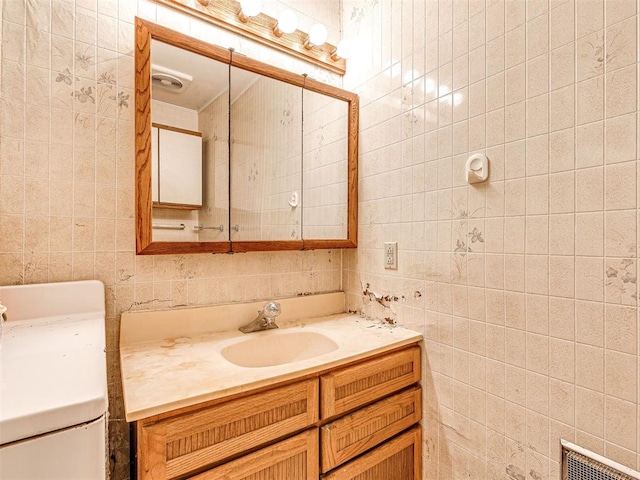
277 348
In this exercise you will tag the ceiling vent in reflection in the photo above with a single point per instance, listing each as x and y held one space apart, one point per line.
169 79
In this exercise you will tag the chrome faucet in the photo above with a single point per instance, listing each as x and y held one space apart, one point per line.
265 319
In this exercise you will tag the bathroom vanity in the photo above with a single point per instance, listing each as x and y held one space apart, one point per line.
343 408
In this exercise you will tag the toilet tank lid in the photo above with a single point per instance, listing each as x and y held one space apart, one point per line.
52 358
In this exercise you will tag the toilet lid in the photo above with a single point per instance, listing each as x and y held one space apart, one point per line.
52 368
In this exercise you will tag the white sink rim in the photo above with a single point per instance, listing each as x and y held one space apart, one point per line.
277 347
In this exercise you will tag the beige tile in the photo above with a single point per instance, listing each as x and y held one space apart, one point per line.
620 186
537 439
620 328
495 91
562 66
621 375
590 100
589 278
561 276
538 76
619 10
537 155
515 46
620 92
562 310
562 150
620 234
620 139
561 192
590 234
537 274
590 411
590 56
561 24
590 145
538 353
537 197
621 49
537 314
514 355
495 55
538 393
515 308
590 323
621 424
537 231
538 115
562 401
590 367
561 234
561 108
514 272
589 17
515 121
538 36
515 197
590 189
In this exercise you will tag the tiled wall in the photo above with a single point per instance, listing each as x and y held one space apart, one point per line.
526 286
67 171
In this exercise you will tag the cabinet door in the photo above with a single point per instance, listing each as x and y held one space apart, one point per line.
293 459
180 167
397 459
358 432
155 165
177 446
353 387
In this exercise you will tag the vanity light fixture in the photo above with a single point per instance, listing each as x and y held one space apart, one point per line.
317 36
245 18
343 50
248 9
287 23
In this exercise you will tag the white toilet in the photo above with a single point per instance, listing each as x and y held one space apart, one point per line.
53 385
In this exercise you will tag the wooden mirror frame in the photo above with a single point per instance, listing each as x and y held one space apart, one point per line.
145 31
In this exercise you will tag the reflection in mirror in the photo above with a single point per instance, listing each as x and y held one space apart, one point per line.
189 136
325 166
265 158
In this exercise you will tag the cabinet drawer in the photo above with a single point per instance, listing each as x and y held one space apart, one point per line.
293 459
180 445
356 433
397 459
352 387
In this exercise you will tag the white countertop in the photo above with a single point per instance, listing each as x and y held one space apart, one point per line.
178 371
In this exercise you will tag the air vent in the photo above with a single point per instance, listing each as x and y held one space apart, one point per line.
581 464
170 79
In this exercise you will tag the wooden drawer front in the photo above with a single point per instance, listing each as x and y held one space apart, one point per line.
352 387
293 459
397 459
177 446
356 433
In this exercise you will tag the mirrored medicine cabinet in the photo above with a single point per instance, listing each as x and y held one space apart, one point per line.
234 155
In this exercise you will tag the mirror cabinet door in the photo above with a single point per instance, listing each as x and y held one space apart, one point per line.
265 162
189 144
325 167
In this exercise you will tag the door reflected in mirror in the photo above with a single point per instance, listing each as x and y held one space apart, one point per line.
190 158
266 149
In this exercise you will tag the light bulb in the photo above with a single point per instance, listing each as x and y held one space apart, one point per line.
343 50
317 35
287 23
249 8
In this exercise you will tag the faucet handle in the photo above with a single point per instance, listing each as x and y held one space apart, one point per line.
272 309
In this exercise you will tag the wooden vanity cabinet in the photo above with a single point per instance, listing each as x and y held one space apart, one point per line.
350 423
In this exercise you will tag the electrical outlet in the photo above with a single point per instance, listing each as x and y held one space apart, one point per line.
391 255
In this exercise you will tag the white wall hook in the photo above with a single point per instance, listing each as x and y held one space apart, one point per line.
293 200
477 168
